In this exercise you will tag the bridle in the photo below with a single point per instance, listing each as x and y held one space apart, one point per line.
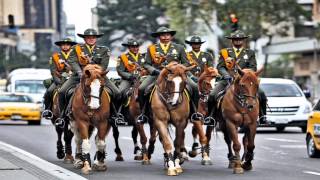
204 94
242 98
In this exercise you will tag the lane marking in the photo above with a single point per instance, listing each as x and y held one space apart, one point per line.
125 138
42 164
294 146
282 140
311 172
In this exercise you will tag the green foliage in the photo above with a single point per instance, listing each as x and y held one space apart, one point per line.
281 68
121 18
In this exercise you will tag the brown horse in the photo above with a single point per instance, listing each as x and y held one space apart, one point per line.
240 107
170 104
91 109
62 128
206 83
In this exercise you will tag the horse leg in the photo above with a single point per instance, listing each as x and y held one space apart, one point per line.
100 141
117 150
60 151
164 134
208 135
68 139
193 153
85 146
247 165
137 151
143 141
232 129
177 144
230 153
152 140
204 143
183 150
77 163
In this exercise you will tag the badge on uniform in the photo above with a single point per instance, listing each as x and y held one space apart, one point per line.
174 52
204 60
143 60
245 57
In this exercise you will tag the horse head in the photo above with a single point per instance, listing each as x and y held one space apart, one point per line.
246 87
207 80
172 81
92 83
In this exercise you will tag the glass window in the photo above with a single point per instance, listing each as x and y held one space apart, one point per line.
281 90
15 98
30 86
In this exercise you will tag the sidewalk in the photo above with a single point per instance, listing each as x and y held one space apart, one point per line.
16 164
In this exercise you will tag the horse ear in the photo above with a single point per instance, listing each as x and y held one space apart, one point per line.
259 71
87 73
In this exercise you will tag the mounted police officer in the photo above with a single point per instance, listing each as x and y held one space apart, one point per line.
127 66
159 55
80 56
245 58
60 70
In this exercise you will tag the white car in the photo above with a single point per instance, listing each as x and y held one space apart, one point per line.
287 104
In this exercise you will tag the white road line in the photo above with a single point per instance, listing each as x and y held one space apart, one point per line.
42 164
125 138
294 146
311 172
282 140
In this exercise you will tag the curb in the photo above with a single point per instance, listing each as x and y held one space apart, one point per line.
42 164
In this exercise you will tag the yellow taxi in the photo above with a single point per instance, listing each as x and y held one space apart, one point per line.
313 132
19 107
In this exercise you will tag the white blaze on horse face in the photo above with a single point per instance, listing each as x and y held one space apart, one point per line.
95 92
177 80
213 82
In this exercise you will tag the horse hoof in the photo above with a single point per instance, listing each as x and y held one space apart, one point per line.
172 172
238 171
138 158
119 158
86 168
184 156
99 167
146 162
179 170
192 154
68 159
60 155
247 166
231 164
78 164
206 162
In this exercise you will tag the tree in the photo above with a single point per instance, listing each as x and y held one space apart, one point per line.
119 19
281 68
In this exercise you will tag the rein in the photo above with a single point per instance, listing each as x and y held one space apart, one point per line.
241 99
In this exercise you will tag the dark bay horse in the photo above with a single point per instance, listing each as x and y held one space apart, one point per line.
170 104
206 83
240 107
91 109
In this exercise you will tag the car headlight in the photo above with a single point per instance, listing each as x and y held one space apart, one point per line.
307 109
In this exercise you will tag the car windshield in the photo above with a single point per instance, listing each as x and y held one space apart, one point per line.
30 86
15 98
281 90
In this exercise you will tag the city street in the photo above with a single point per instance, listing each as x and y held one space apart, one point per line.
277 155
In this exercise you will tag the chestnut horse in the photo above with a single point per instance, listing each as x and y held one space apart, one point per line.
170 104
240 107
206 83
62 128
91 109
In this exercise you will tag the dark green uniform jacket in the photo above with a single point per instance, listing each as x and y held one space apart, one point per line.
203 59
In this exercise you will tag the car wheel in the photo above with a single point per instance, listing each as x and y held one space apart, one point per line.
34 122
280 128
311 148
303 129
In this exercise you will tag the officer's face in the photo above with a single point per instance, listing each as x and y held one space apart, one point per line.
90 40
165 38
238 42
134 49
196 47
65 47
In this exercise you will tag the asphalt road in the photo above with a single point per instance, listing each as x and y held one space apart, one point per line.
277 155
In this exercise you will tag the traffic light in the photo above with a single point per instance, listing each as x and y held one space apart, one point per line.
234 22
11 21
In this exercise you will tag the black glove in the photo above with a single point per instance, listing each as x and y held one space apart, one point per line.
155 72
227 78
133 78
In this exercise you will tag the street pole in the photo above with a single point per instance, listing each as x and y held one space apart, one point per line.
314 71
266 57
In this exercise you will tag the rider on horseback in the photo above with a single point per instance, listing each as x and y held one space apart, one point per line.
201 60
127 66
245 58
80 56
59 68
159 55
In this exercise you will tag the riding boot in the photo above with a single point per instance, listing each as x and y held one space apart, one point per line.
263 107
47 106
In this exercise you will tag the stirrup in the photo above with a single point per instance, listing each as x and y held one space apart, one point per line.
262 120
210 121
141 119
47 114
60 122
119 120
196 117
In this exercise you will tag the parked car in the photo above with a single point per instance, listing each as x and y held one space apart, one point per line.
287 104
19 107
313 132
